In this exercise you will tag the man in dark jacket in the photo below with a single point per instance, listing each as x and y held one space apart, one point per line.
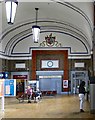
82 95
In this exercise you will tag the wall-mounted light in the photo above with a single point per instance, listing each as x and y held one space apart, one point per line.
11 6
36 29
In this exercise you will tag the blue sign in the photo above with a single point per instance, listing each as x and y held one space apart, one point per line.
3 75
9 87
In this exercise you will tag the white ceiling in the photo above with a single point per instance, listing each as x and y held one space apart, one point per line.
72 18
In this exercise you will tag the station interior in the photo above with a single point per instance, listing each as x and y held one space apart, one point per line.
54 60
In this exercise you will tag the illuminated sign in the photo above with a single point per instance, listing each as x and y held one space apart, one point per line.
3 75
65 83
50 64
19 76
9 87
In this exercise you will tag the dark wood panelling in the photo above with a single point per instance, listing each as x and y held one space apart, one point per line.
47 54
34 54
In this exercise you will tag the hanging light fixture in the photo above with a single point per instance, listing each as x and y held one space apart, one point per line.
11 6
36 29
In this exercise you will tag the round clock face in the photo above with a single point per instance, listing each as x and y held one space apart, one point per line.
49 63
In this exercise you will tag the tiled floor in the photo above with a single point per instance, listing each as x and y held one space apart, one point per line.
60 106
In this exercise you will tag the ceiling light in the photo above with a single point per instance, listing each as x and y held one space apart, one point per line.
11 6
36 29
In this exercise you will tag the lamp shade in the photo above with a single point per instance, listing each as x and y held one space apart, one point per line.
36 33
11 6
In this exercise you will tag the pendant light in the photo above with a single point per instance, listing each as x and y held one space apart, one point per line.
11 6
36 29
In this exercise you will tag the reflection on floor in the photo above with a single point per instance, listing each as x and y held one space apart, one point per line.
60 106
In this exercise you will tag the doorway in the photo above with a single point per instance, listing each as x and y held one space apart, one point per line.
76 78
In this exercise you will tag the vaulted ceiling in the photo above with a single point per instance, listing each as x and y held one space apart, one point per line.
70 22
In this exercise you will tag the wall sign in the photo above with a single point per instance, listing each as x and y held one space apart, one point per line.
10 87
1 87
50 64
19 76
65 83
20 65
3 75
79 64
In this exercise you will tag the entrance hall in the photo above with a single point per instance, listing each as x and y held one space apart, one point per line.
65 41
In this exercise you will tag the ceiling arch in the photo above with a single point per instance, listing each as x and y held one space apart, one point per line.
73 19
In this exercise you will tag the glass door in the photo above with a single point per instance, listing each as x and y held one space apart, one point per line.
76 78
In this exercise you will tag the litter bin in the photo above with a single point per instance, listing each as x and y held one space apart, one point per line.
92 95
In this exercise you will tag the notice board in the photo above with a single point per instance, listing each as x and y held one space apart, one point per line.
9 87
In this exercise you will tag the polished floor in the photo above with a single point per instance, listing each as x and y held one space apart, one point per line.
59 106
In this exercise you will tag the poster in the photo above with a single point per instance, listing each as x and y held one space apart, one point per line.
7 89
10 87
65 83
1 87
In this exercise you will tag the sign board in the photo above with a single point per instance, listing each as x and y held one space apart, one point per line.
1 87
34 84
19 76
50 64
79 65
3 75
65 83
10 87
20 65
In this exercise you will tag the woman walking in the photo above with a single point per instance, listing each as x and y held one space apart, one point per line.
82 95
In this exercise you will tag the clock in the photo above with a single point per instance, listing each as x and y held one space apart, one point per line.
49 63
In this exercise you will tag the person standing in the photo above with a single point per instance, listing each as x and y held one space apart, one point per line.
82 95
29 94
19 90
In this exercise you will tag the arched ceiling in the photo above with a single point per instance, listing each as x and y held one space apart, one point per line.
71 23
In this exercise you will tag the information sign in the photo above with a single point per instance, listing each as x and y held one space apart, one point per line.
10 87
1 87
